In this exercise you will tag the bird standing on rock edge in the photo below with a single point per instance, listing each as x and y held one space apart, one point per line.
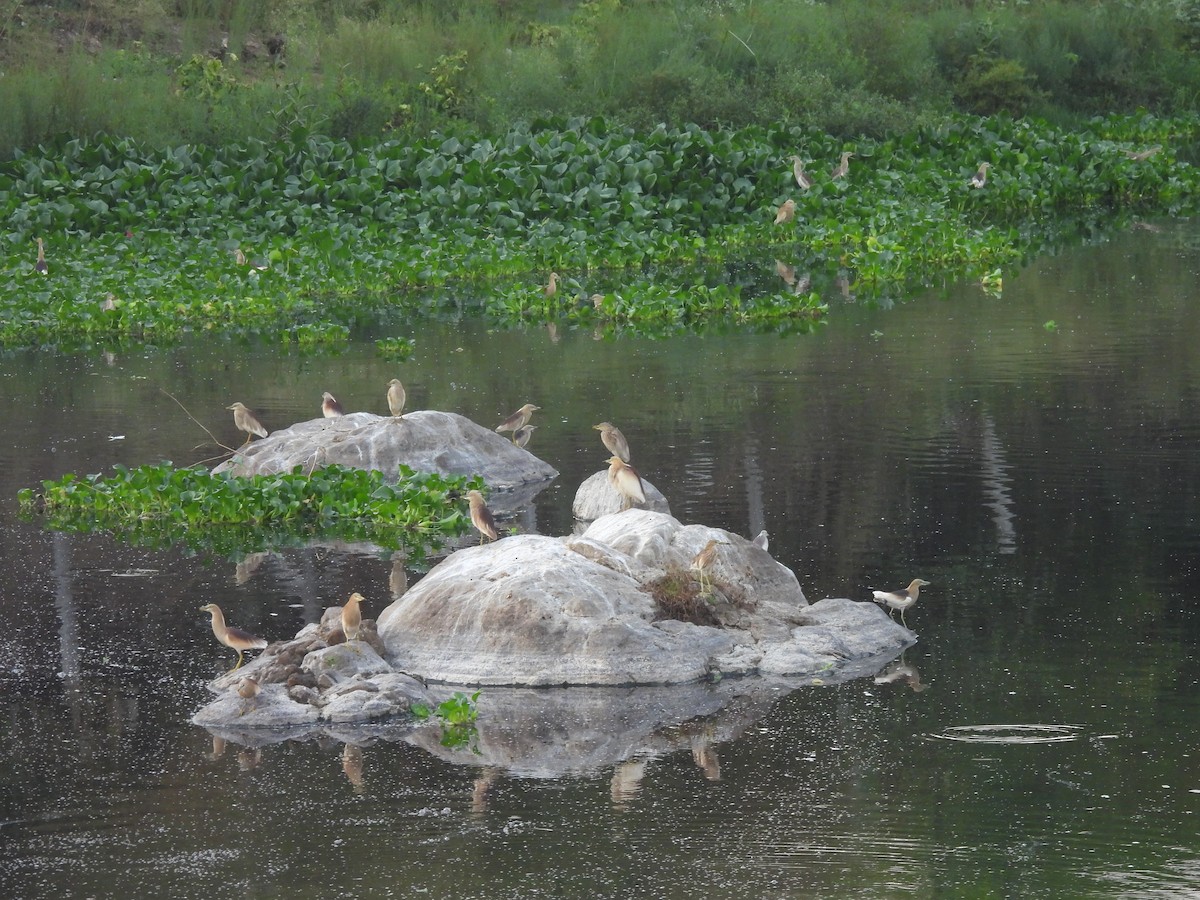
481 517
901 599
626 481
613 440
330 408
522 435
396 398
246 421
233 638
518 419
352 617
703 561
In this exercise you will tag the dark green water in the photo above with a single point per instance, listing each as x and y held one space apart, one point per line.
1046 481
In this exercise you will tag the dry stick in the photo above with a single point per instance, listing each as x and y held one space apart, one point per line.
197 421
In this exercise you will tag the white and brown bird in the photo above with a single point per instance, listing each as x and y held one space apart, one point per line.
626 481
247 421
40 266
842 167
481 517
901 599
761 540
703 561
248 689
352 617
613 440
522 435
786 211
396 398
550 288
802 180
518 419
233 638
1143 155
979 179
330 408
786 272
110 302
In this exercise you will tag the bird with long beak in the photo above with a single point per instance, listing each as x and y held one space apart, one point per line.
842 167
626 481
522 435
330 408
901 599
247 421
396 398
786 211
481 517
703 561
802 180
613 440
979 179
40 266
518 419
233 638
352 617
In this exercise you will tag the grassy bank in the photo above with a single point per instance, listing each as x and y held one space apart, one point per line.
308 238
168 72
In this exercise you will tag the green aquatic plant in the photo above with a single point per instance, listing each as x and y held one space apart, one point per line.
457 715
161 504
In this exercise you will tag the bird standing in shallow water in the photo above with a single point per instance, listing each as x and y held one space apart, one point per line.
979 179
901 599
522 435
396 398
786 211
842 167
330 408
613 440
233 638
247 421
352 617
481 517
518 419
40 266
626 481
802 179
703 561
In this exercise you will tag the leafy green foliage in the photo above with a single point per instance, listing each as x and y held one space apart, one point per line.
457 715
162 505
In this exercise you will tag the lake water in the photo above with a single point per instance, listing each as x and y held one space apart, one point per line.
1034 456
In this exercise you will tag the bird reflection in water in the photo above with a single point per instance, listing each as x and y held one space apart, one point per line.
249 565
900 672
218 747
480 788
352 766
249 758
626 783
704 755
397 577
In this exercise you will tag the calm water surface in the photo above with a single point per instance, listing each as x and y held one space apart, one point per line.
1046 480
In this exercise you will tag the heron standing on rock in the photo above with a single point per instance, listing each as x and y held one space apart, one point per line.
330 408
481 517
613 440
522 435
396 398
703 561
518 419
901 599
233 638
626 481
246 421
352 617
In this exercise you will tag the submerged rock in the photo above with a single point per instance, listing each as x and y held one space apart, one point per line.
425 440
608 608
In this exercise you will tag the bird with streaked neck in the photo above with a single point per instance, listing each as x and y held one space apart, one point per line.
247 421
626 481
843 167
703 561
518 419
802 180
901 599
481 517
396 398
330 408
352 617
233 638
786 212
613 440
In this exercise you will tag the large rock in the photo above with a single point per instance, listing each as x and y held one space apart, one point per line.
597 497
532 610
425 440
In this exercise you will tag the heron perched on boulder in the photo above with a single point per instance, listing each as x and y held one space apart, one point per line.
330 408
481 517
626 481
518 419
901 599
246 421
352 617
396 398
522 435
233 638
613 440
703 561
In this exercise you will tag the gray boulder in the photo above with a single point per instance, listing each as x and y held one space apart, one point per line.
596 497
425 440
605 608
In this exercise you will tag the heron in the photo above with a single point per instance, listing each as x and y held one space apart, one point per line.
1135 155
40 266
703 561
551 286
330 408
626 481
481 517
842 167
248 689
979 179
352 617
233 638
901 599
522 435
786 272
761 540
786 211
517 419
613 440
802 179
247 421
396 398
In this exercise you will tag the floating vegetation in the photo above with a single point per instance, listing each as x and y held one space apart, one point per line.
311 238
457 715
163 505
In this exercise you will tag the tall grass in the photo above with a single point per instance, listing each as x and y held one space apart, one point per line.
358 68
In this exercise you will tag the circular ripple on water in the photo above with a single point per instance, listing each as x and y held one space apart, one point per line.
1009 734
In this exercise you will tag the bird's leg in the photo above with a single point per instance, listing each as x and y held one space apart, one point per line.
902 622
239 662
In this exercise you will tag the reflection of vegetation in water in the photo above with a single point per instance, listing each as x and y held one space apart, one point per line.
308 239
457 715
162 505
